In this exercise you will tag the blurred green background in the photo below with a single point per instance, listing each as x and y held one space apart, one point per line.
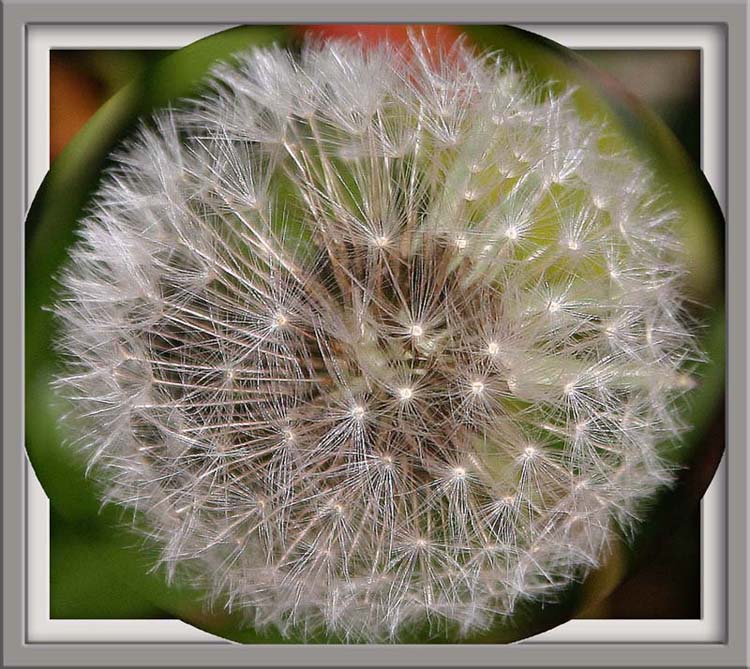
91 575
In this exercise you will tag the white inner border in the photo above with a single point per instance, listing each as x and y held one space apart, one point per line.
40 628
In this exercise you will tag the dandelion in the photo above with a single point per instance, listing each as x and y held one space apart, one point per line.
369 339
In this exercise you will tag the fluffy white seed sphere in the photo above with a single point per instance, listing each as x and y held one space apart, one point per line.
371 340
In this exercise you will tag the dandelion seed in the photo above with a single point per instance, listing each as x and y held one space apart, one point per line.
477 387
599 202
405 393
279 321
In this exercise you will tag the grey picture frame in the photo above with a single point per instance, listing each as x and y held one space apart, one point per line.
731 651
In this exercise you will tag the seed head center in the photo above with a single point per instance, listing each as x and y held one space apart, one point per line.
405 393
279 320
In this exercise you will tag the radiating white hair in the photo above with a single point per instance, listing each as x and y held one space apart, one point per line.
371 339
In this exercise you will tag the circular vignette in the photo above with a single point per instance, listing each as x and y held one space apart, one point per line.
445 242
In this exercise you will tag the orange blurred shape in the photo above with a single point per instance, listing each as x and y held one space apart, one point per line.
374 33
74 96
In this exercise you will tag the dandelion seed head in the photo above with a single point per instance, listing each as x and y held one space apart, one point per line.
323 323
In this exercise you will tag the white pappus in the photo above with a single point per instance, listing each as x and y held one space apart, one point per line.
370 339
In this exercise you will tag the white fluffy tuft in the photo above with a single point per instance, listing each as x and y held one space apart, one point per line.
369 339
